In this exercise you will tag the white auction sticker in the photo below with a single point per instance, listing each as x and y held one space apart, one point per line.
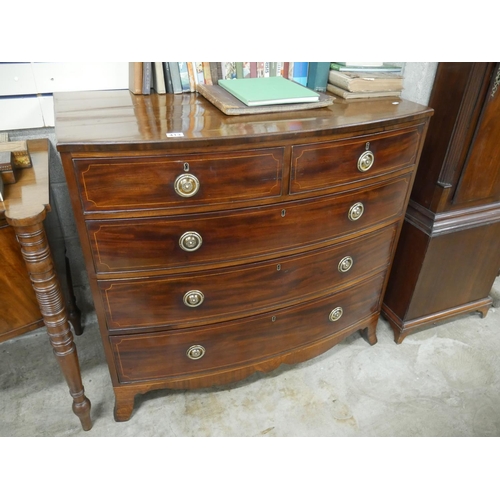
175 134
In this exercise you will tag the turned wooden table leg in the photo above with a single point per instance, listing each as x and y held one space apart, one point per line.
36 253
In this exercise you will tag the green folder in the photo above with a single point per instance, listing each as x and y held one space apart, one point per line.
266 91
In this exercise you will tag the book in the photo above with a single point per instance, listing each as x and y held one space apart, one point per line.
184 74
385 67
366 82
361 63
159 78
207 74
286 67
135 77
199 76
192 81
247 69
232 106
317 76
345 94
168 78
176 77
215 71
267 91
300 72
228 70
239 70
146 78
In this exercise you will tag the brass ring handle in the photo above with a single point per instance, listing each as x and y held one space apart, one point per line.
366 161
193 298
195 352
345 264
336 314
356 211
190 241
186 185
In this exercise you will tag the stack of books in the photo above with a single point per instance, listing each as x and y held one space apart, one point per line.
163 77
179 77
364 80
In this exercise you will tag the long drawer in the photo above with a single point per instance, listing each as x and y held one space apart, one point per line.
239 343
202 298
221 238
171 181
337 163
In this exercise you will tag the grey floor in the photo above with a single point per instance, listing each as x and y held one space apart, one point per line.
443 381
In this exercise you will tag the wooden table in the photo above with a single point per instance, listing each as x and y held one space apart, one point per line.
25 207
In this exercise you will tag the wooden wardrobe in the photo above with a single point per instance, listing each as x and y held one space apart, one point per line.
448 254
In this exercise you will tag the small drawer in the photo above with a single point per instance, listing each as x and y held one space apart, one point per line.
223 238
335 164
235 344
142 183
194 299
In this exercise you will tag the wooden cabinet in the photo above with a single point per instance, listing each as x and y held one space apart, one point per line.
241 242
449 252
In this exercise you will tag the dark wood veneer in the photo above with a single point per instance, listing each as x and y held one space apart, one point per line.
113 183
243 342
155 302
228 237
320 166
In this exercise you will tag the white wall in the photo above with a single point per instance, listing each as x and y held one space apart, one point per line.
418 81
26 88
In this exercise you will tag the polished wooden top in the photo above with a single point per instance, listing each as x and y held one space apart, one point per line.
29 195
115 120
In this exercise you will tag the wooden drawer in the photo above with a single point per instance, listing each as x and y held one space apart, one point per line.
243 342
230 236
325 165
159 302
135 183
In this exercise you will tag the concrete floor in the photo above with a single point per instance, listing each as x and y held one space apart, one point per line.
443 381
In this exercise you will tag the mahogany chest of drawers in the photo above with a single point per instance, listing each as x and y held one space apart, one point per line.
217 246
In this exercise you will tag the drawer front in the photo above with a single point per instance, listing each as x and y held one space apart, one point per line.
226 237
322 166
181 301
178 181
243 342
